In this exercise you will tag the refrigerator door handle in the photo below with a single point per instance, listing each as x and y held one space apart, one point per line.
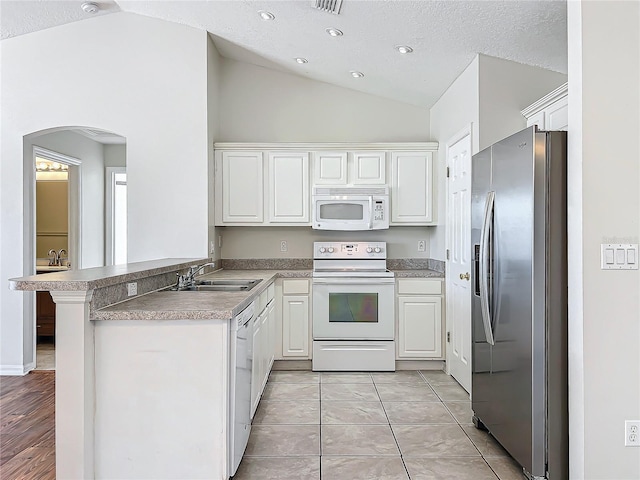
485 235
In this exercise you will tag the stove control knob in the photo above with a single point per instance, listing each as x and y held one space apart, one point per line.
369 249
330 249
377 249
322 249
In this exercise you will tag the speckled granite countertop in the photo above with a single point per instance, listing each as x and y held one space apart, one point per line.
90 278
201 305
418 273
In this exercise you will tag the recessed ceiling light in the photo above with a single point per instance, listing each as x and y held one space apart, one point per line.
301 60
334 32
90 7
266 15
356 74
404 49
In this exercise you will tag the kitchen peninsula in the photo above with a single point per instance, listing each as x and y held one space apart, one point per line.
142 381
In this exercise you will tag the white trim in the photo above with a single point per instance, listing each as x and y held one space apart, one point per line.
55 156
467 130
549 98
327 146
109 186
16 370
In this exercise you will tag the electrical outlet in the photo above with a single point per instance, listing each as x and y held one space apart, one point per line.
132 289
632 433
422 245
283 246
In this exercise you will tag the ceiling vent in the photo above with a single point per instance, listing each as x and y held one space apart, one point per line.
331 6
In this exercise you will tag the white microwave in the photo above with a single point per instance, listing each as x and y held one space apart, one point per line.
350 208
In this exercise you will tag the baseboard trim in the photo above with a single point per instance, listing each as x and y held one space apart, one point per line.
291 365
419 365
16 370
436 365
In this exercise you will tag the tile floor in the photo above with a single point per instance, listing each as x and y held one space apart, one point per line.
349 426
45 356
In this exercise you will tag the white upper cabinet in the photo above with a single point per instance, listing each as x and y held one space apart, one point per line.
288 197
242 187
551 112
411 188
368 168
330 168
270 183
352 168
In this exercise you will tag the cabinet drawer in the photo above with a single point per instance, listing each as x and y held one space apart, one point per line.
419 286
295 287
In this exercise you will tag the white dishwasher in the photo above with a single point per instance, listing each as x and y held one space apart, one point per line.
241 364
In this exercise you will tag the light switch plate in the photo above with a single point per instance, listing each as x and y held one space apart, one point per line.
619 256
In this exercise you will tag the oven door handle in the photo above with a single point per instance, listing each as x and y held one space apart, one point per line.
354 281
370 212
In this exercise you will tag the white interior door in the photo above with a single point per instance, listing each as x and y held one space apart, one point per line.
459 259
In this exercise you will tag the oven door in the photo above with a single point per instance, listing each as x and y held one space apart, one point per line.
347 308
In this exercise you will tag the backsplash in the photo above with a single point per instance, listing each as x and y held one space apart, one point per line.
267 263
416 264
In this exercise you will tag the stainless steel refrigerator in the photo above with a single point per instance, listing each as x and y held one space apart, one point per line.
519 306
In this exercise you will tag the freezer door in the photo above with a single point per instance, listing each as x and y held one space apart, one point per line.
481 348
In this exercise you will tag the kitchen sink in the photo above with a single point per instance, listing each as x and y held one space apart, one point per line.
218 286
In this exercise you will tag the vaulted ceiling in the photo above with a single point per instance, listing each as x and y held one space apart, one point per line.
445 36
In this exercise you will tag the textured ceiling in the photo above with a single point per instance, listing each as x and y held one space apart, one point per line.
445 36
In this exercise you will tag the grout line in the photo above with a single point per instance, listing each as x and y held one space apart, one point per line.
392 432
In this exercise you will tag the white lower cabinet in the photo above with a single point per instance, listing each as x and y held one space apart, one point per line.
419 314
263 345
295 318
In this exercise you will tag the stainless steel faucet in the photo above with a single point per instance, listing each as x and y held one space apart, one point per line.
186 280
54 259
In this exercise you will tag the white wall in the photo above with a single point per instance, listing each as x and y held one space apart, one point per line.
262 105
456 109
264 242
92 155
115 155
142 78
604 306
506 88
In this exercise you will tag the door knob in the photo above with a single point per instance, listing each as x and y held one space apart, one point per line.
465 276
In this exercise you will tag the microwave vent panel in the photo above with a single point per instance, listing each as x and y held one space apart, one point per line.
331 6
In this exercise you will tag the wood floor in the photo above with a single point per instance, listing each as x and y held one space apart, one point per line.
27 426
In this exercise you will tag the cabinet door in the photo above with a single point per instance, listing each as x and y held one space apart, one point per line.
265 353
412 187
288 187
419 327
329 168
295 326
242 187
273 328
368 168
557 115
256 384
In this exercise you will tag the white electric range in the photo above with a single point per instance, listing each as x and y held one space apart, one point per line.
353 307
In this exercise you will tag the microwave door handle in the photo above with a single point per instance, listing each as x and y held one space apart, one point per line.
370 212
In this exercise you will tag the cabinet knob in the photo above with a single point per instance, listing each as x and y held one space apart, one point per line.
465 276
